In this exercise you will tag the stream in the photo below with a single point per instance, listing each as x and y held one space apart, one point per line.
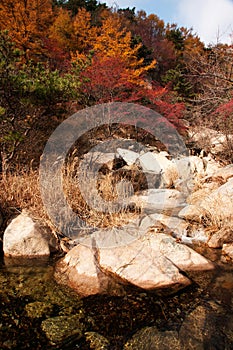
37 313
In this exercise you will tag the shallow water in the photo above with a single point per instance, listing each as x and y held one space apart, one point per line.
30 295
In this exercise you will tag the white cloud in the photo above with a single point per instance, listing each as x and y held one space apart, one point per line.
139 4
211 19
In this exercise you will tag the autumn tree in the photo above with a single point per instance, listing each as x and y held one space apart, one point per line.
114 41
27 23
84 32
62 31
152 32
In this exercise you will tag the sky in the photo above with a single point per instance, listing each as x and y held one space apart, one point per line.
211 20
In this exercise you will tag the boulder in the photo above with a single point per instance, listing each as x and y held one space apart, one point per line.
143 265
182 256
58 329
97 341
219 203
149 338
167 201
174 225
97 159
24 237
192 213
217 239
211 165
149 163
158 163
227 249
151 261
81 271
224 172
127 155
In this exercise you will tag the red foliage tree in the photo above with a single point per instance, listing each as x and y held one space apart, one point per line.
108 79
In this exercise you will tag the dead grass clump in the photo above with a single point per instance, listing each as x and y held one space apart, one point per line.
108 189
20 190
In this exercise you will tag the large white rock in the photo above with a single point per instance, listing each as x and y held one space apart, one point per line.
80 270
173 224
225 172
151 262
142 265
180 255
159 163
219 203
187 167
149 163
227 249
192 213
127 155
212 166
25 238
168 201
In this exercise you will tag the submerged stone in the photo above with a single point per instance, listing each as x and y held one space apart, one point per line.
60 328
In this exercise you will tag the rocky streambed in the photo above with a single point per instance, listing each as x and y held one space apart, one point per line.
162 281
37 313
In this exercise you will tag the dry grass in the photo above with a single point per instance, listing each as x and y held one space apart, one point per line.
21 190
108 190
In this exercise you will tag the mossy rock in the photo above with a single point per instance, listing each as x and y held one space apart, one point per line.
97 341
38 309
150 338
61 328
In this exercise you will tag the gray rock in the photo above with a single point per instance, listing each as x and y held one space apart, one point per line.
25 237
158 163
